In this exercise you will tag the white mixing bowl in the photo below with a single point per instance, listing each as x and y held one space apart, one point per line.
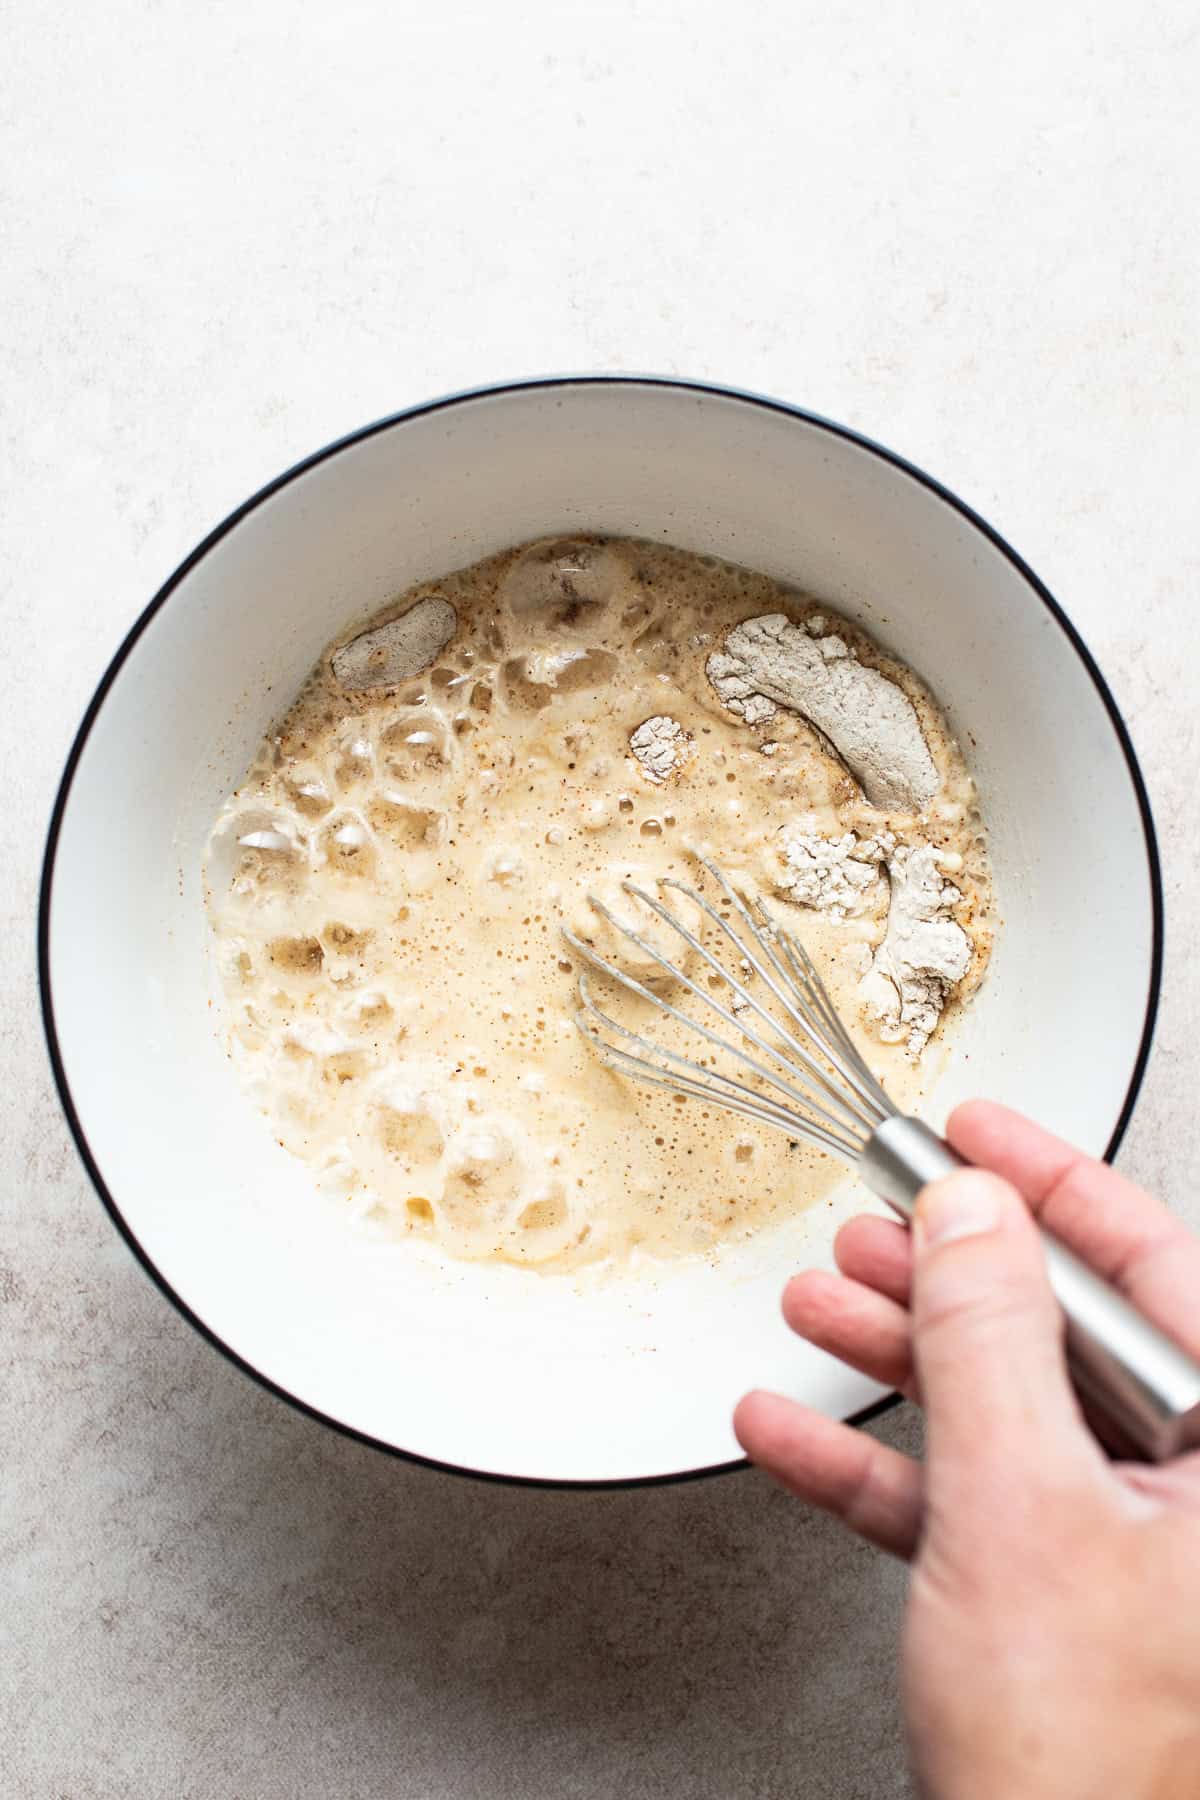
500 1370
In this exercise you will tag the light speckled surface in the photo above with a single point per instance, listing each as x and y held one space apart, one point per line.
230 235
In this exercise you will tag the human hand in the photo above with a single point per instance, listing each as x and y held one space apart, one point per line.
1052 1637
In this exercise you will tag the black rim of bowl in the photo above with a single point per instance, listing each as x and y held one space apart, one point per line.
214 537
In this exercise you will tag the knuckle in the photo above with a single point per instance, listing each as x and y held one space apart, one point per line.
996 1307
979 1285
882 1499
860 1499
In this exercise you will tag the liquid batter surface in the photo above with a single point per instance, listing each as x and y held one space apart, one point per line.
388 887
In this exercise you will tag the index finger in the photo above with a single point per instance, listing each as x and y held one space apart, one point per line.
1126 1235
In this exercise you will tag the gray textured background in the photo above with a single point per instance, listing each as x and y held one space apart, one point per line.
229 234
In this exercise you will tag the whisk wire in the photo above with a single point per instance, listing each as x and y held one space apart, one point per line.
828 1088
858 1071
825 1093
695 1080
835 1101
802 974
805 975
796 1095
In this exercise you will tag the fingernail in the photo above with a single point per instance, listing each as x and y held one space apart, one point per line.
961 1206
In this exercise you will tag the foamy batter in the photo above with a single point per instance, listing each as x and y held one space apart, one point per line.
389 884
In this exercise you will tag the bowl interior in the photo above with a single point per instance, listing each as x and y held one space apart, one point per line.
496 1369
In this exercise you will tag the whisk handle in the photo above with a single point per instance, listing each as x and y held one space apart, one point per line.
1144 1387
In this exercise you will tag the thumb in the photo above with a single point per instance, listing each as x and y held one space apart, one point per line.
988 1346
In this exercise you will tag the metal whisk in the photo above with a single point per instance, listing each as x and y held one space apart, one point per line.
779 1053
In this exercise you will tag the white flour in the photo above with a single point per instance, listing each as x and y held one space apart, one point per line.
839 876
923 950
393 652
660 745
923 954
869 720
